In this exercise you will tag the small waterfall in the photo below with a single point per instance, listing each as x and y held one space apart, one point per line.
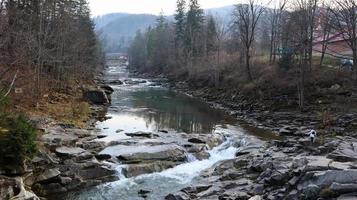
121 169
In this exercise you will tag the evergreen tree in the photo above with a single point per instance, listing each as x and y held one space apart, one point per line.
194 26
211 36
180 23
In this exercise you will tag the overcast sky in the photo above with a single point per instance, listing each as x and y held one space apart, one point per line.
100 7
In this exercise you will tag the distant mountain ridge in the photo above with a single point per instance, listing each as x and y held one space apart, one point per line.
118 29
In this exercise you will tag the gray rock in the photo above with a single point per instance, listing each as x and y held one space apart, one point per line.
69 151
140 134
310 192
59 138
343 188
48 175
351 196
345 152
196 141
178 196
256 197
144 153
96 96
9 187
146 168
326 178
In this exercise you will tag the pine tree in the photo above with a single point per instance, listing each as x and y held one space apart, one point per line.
211 36
180 23
194 26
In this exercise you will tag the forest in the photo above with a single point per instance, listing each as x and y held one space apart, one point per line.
38 47
47 49
271 50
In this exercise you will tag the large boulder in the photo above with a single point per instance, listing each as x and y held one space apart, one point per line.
147 168
345 152
58 137
137 154
48 175
327 178
96 96
13 188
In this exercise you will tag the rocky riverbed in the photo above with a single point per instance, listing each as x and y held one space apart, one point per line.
158 144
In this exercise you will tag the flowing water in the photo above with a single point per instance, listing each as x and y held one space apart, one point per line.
140 105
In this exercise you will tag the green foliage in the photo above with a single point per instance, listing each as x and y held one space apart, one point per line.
17 142
194 28
180 22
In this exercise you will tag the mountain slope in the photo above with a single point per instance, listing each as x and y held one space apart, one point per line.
118 29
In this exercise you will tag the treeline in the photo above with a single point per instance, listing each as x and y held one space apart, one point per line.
45 43
256 39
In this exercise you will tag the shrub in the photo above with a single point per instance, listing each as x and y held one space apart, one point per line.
17 142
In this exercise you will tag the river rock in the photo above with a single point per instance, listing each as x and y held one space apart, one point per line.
14 189
196 141
69 151
48 175
107 89
326 178
59 138
256 197
345 152
343 188
145 153
351 196
96 96
147 168
140 134
178 196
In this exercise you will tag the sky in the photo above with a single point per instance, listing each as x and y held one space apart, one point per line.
100 7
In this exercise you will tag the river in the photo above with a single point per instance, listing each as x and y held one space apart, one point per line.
144 105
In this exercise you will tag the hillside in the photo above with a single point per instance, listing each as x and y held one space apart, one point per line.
118 29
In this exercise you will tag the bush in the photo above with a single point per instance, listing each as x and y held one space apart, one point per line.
17 142
286 61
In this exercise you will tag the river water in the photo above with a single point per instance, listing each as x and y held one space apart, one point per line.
142 105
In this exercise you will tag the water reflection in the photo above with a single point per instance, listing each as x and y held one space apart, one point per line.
152 109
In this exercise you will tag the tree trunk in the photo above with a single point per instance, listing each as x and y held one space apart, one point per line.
247 60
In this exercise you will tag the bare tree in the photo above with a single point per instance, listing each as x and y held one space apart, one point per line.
275 17
325 26
345 22
303 18
246 20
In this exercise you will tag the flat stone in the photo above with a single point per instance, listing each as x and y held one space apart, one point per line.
196 141
256 197
351 196
326 178
141 153
343 188
140 134
48 175
345 152
69 151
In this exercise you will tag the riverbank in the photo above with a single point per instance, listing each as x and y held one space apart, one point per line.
289 169
67 147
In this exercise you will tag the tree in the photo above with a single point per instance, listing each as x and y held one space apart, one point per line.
345 22
326 27
180 23
246 18
303 22
194 26
211 36
275 22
